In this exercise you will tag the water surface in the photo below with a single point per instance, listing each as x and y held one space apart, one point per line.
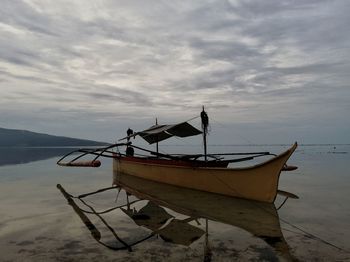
37 224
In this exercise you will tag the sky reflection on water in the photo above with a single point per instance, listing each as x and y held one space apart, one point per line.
36 223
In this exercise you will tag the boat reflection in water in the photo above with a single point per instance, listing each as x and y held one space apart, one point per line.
182 216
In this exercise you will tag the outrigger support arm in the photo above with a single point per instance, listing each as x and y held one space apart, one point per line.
96 234
94 231
107 152
98 152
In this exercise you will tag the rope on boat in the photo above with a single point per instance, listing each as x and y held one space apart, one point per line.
313 236
224 126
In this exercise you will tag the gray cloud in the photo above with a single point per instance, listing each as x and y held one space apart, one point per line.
248 61
23 15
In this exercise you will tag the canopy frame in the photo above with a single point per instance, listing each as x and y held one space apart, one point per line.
157 133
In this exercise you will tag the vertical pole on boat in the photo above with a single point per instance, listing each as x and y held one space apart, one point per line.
205 123
157 139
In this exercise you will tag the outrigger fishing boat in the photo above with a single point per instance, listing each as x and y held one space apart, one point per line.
207 172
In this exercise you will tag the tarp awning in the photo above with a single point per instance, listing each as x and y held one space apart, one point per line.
158 133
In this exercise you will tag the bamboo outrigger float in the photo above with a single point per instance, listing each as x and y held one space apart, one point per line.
206 172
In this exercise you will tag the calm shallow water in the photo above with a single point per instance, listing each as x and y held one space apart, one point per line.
37 224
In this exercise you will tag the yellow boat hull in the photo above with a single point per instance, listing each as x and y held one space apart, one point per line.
258 182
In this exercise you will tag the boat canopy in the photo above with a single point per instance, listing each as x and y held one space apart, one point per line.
158 133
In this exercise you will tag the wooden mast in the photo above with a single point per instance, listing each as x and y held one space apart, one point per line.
205 123
157 147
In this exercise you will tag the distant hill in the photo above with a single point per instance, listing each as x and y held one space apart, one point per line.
24 138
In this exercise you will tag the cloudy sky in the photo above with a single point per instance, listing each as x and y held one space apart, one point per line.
267 71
